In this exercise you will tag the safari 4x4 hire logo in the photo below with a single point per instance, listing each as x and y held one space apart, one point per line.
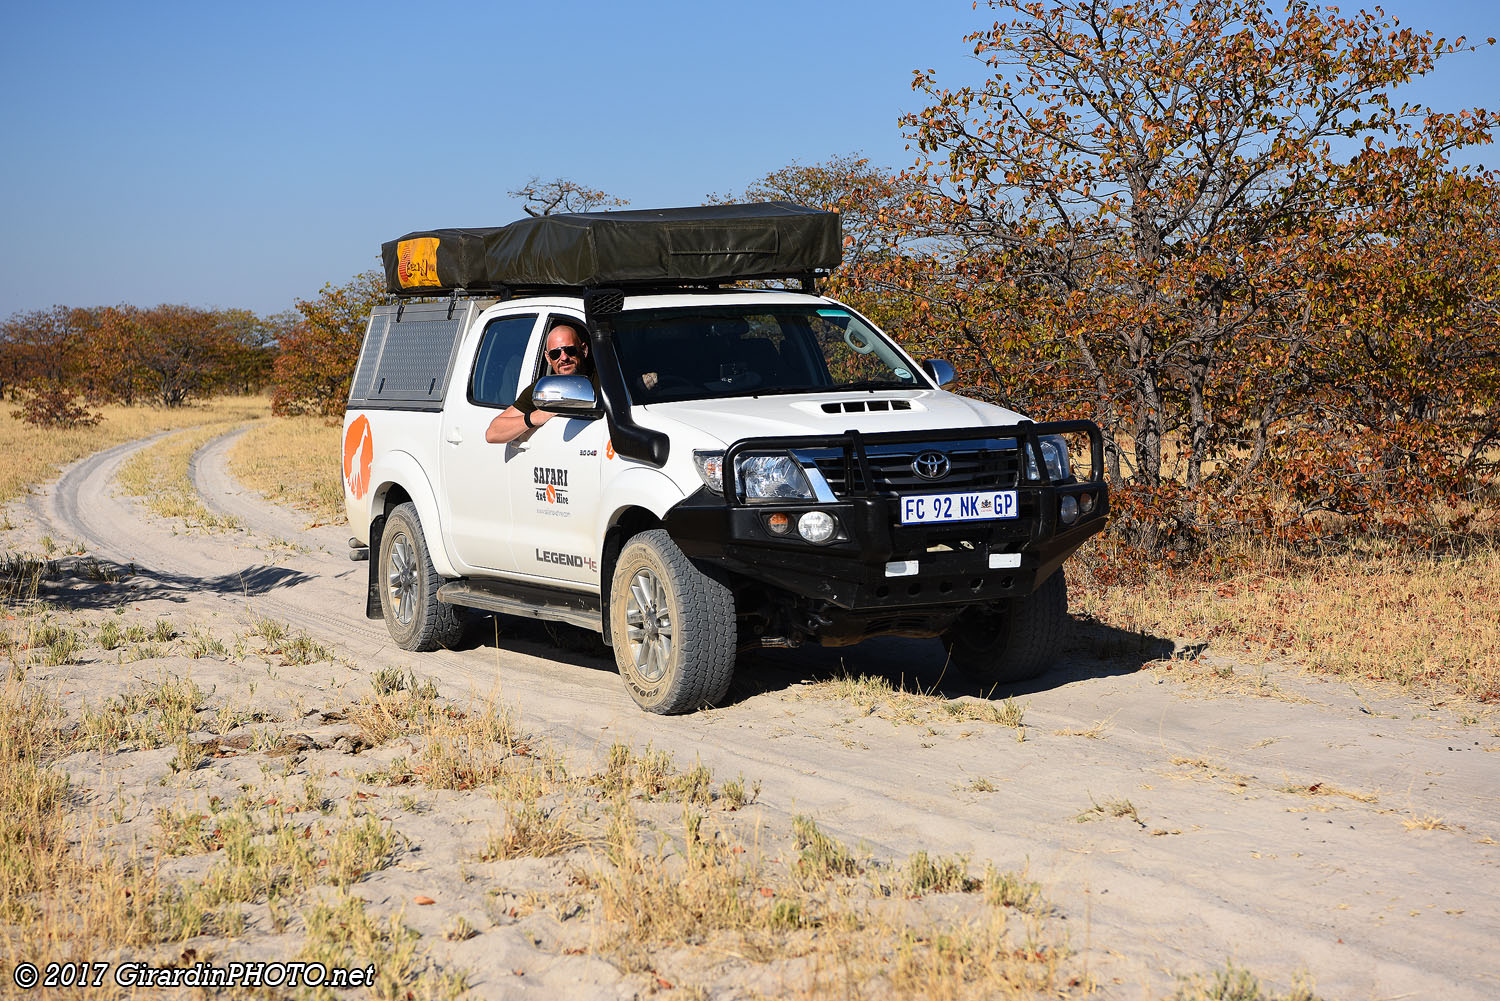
551 484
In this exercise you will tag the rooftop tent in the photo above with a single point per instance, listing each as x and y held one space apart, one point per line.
710 243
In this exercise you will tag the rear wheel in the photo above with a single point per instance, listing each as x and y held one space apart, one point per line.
673 627
1015 640
409 585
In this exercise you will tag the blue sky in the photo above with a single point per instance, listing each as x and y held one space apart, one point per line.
245 154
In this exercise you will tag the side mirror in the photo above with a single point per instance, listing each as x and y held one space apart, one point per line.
570 395
942 373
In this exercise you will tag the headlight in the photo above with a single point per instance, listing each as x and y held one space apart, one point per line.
766 478
710 469
770 478
1055 454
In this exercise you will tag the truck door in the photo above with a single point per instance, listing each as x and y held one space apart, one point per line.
555 492
475 474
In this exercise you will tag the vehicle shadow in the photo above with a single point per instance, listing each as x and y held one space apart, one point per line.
921 666
90 584
916 666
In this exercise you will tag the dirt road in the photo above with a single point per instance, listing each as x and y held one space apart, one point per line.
1283 822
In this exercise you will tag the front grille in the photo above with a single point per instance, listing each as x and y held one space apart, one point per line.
970 469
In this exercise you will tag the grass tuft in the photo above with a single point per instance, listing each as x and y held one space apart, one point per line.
926 874
1234 983
821 856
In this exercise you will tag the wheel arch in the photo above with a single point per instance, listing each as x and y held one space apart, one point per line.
624 523
635 500
399 477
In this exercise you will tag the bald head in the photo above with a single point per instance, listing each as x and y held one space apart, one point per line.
566 350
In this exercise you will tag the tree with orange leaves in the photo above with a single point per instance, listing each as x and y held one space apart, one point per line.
318 355
1144 211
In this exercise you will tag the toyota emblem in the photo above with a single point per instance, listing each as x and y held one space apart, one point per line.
930 465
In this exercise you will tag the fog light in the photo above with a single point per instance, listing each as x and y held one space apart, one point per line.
1069 510
1086 502
816 526
779 523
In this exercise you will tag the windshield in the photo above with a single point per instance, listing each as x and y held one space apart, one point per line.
699 352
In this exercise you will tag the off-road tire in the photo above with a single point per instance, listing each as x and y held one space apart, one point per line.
421 622
694 667
1016 640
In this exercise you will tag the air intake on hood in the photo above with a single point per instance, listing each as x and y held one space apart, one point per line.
861 406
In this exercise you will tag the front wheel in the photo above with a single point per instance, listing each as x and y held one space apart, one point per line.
1015 640
408 595
673 627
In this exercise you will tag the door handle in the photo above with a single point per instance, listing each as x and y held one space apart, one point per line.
454 435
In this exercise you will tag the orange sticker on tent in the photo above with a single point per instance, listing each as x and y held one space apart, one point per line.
358 450
416 262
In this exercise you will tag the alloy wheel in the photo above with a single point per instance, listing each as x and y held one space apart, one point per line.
402 578
648 624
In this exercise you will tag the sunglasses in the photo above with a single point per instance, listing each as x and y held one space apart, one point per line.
571 350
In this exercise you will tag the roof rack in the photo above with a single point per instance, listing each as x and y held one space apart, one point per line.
808 282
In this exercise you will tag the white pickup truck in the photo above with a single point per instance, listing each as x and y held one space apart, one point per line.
747 467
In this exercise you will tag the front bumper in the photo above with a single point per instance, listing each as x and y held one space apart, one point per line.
879 563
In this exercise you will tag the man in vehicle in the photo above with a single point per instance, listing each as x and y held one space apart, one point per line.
567 354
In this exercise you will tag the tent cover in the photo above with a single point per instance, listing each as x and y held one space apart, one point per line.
711 243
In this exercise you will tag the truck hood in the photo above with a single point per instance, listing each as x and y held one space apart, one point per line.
730 420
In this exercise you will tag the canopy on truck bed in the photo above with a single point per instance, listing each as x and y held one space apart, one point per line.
706 244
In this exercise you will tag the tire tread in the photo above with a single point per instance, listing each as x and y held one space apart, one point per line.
707 635
1029 634
436 624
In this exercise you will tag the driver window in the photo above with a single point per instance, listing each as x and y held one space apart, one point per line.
539 367
497 364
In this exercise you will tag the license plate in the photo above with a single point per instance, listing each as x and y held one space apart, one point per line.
979 505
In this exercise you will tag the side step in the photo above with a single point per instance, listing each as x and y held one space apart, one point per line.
527 600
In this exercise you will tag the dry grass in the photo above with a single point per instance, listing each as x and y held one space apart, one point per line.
674 870
1234 983
670 865
875 695
1096 731
1377 612
1328 789
31 455
71 897
1120 809
294 461
676 882
832 928
160 475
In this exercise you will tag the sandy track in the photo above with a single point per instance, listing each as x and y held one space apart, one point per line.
1228 860
209 471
